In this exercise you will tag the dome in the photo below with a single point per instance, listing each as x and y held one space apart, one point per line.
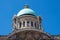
26 10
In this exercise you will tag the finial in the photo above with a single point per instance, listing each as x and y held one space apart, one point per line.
26 6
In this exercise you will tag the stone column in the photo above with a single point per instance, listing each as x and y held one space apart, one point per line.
18 25
33 24
21 23
25 23
30 23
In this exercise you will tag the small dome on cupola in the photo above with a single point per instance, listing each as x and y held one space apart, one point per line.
25 11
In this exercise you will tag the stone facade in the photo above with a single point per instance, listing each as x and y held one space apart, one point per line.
28 26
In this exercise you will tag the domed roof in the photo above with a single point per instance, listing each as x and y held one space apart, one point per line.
26 10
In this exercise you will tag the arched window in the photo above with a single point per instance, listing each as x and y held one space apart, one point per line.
28 23
23 23
20 24
31 23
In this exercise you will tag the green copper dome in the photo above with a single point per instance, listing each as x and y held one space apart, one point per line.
26 10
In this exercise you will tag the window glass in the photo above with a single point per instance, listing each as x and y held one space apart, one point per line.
31 23
20 24
23 23
28 23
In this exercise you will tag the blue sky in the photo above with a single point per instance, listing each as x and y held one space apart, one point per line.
48 9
